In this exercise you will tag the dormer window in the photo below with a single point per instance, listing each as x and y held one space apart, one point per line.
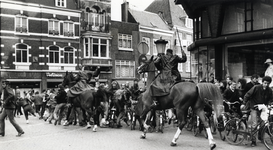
60 3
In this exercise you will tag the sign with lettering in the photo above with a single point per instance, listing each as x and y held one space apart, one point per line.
54 75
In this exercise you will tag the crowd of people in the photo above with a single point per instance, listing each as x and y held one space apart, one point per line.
54 104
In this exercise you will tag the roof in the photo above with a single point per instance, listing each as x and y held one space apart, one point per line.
172 13
144 19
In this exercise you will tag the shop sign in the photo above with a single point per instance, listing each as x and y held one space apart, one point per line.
54 75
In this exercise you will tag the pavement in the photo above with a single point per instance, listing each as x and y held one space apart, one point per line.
40 135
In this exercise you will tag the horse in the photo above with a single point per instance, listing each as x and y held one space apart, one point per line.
182 95
85 100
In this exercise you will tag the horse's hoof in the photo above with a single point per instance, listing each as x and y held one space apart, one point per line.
142 137
212 146
173 144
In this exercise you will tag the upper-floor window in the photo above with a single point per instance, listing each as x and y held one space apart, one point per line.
68 55
53 27
125 41
96 47
188 22
54 54
21 51
95 18
21 24
60 3
68 29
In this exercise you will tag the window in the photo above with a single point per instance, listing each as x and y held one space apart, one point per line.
248 16
21 53
53 27
21 24
125 41
54 54
189 22
96 18
68 55
125 69
96 47
60 3
68 29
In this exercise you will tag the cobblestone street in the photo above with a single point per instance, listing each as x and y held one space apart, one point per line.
40 135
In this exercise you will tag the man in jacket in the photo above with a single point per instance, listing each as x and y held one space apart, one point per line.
61 99
169 74
8 97
259 94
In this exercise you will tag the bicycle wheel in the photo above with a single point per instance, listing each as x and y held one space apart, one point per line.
267 136
190 120
232 131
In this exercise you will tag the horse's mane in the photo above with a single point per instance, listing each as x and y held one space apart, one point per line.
212 94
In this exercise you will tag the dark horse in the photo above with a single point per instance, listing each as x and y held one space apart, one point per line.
87 100
182 96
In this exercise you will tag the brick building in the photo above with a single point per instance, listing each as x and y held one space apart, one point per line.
40 40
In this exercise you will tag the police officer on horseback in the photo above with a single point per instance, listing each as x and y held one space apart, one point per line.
169 74
81 80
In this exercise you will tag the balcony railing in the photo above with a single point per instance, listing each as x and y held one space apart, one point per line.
53 32
96 62
21 29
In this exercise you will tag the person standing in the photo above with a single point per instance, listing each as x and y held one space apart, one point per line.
45 98
38 102
61 100
253 81
259 94
8 98
18 109
269 70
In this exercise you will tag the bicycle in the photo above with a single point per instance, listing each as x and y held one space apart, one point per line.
225 117
236 130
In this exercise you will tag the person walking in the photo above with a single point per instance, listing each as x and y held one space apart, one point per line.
8 97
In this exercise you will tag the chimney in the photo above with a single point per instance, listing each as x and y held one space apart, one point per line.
124 11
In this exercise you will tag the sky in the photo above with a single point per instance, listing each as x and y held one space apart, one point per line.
134 4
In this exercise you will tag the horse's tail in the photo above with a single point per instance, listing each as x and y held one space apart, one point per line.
210 92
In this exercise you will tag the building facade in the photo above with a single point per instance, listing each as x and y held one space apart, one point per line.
231 38
96 37
40 41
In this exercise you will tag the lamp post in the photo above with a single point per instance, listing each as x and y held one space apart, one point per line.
161 45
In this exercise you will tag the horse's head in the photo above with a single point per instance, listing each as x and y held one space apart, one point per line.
145 66
68 78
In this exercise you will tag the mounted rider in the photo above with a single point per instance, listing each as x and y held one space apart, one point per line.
82 79
168 76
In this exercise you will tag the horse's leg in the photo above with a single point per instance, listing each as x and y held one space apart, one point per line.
145 126
201 114
181 117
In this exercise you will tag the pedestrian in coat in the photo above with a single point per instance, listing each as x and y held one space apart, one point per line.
8 97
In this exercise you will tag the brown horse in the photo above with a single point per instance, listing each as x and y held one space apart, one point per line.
182 96
86 100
